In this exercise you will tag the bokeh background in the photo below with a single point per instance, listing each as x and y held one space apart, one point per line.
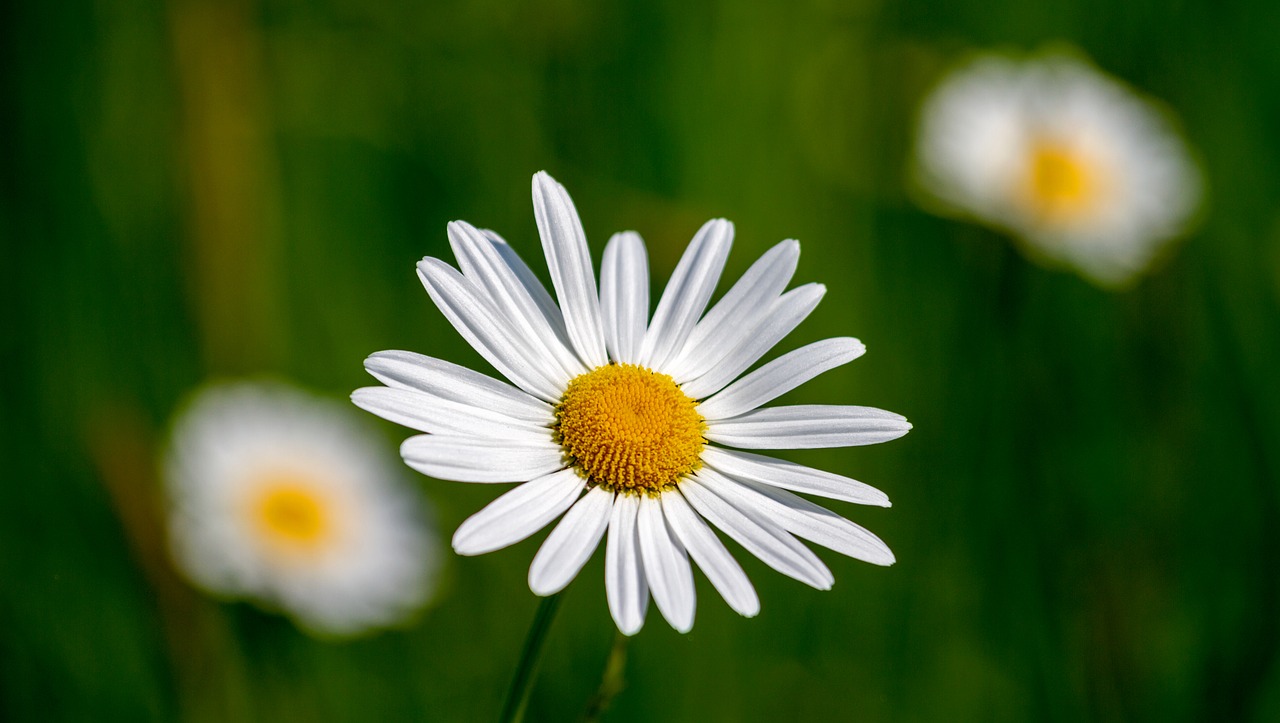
1087 515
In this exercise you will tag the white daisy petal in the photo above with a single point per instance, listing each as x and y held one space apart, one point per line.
624 578
705 548
569 260
734 315
687 293
426 413
666 566
808 426
780 376
530 281
480 261
478 322
792 476
518 513
446 380
801 518
760 536
571 543
463 459
782 319
624 295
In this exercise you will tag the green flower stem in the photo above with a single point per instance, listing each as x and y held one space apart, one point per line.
612 682
522 683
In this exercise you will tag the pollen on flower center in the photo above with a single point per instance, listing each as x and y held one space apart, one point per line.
1061 182
290 513
629 429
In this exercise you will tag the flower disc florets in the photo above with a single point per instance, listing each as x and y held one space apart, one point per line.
629 429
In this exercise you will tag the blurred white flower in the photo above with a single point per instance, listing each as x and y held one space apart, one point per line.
1082 169
634 412
285 499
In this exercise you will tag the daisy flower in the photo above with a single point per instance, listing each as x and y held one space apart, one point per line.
1082 169
285 499
628 424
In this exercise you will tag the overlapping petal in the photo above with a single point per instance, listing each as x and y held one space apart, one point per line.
488 332
518 513
687 293
569 260
446 380
624 579
571 543
808 426
480 261
779 377
736 313
470 459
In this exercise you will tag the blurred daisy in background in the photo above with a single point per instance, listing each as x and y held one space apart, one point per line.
285 498
623 423
1082 169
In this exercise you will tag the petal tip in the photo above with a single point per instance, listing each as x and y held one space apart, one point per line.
462 547
544 183
544 590
630 630
360 397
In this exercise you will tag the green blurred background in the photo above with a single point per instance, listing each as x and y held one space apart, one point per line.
1087 515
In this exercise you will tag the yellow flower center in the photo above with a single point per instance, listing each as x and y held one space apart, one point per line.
291 514
629 429
1061 182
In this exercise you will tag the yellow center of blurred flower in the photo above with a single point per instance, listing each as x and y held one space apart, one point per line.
629 429
1061 182
291 514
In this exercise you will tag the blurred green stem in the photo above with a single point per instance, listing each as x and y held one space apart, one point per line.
612 682
522 683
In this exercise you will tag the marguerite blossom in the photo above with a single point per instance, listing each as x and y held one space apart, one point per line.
284 498
1082 169
630 424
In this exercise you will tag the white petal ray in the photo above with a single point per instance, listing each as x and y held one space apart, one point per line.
801 518
569 261
734 315
624 296
446 380
427 413
791 476
808 426
480 261
468 459
530 281
478 321
705 548
666 566
780 376
760 536
782 319
624 579
517 514
571 543
687 293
